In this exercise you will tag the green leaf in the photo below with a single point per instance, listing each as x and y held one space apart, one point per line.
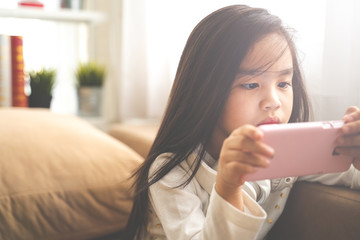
42 82
90 74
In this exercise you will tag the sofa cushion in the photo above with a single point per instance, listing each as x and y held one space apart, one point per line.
60 177
138 136
316 211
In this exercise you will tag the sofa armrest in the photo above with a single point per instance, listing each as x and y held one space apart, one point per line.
316 211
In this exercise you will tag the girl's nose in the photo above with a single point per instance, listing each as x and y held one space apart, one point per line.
271 101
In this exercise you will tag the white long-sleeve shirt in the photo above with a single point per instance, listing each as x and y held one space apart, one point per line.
196 211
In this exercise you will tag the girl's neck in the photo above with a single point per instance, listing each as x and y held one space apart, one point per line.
217 139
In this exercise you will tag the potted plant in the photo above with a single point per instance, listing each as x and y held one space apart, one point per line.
90 79
41 85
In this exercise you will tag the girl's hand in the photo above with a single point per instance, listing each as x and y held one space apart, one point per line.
349 143
241 152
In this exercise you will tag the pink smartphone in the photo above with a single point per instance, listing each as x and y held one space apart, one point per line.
302 149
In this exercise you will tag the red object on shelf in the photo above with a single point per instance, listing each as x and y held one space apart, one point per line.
19 98
31 4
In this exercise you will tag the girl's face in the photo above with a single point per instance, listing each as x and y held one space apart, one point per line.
263 97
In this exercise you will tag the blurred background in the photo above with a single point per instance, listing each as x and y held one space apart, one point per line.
140 43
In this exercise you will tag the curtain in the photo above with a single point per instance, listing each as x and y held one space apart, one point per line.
153 36
144 54
339 84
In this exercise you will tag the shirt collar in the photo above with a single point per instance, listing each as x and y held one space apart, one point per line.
206 176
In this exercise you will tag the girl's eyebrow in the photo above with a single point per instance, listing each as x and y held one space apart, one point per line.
284 72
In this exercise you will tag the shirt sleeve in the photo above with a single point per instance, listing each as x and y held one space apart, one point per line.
259 190
187 213
349 178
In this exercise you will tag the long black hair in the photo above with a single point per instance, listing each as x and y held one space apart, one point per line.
207 68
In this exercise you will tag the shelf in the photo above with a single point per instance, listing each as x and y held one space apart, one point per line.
63 15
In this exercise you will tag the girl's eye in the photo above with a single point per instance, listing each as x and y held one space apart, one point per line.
284 84
250 86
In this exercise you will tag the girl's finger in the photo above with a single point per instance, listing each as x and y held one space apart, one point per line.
245 144
249 131
352 114
351 110
252 159
351 128
349 151
240 169
348 141
356 163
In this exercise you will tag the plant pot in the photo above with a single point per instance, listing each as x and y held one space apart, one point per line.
73 4
90 99
39 101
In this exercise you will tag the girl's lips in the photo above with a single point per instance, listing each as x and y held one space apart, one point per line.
269 120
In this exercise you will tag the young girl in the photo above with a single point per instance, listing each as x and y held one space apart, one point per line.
239 69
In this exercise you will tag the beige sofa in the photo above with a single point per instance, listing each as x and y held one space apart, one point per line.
62 178
313 211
